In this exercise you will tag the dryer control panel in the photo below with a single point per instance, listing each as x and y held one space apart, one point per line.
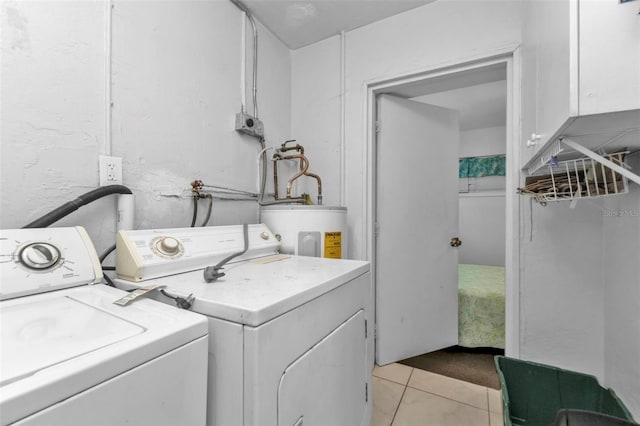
154 253
36 260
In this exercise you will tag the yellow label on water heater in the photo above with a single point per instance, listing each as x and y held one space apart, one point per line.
333 245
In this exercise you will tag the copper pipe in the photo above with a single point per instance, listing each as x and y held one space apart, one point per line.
261 200
316 177
276 158
298 148
304 166
302 200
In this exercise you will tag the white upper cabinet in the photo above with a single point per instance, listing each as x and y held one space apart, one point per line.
580 57
609 56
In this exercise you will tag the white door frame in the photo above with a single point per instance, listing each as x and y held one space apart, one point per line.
510 56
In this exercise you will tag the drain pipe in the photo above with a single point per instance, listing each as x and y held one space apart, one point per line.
126 207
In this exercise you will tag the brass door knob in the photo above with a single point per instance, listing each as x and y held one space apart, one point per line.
455 242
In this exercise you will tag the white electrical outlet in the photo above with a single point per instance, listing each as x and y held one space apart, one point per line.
110 170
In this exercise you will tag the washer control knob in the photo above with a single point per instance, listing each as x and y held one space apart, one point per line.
264 235
168 245
39 256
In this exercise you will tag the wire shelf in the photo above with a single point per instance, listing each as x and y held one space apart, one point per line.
579 178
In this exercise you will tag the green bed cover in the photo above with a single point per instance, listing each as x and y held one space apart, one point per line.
480 306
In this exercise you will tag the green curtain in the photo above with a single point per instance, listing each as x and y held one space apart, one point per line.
482 166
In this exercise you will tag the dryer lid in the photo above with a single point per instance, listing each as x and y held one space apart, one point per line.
40 334
256 291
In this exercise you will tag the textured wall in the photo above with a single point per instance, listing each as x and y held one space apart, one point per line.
53 97
175 81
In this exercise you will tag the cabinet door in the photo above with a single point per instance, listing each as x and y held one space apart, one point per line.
550 69
557 65
609 56
529 79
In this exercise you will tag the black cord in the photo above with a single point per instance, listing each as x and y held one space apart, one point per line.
108 280
211 273
195 211
104 255
209 208
181 302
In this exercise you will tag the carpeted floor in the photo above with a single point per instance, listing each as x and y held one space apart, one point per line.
471 365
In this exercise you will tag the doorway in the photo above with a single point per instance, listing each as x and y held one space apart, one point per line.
426 84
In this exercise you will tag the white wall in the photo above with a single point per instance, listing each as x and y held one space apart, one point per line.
482 216
580 289
176 88
52 117
484 141
561 285
621 286
481 227
443 32
561 279
316 115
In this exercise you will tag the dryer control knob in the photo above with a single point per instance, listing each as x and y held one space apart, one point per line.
168 245
264 235
39 256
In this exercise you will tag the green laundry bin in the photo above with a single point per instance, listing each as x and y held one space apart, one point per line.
533 393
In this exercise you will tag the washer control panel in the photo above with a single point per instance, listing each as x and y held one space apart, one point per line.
154 253
35 260
168 247
39 256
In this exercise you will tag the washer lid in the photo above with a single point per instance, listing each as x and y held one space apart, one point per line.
48 332
58 344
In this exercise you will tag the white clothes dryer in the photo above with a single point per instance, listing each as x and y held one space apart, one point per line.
290 339
70 356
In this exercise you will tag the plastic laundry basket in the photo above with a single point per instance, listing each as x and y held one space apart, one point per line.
533 393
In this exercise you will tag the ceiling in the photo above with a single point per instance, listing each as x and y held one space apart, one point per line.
479 106
300 23
479 96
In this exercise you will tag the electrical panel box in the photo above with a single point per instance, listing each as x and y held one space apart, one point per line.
249 125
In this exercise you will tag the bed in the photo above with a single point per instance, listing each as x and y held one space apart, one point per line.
480 306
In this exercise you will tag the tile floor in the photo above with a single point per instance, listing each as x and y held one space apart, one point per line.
403 396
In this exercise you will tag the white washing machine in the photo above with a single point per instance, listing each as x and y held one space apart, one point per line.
70 356
290 340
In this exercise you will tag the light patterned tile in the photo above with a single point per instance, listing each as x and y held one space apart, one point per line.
458 390
495 400
398 373
421 408
386 398
495 419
